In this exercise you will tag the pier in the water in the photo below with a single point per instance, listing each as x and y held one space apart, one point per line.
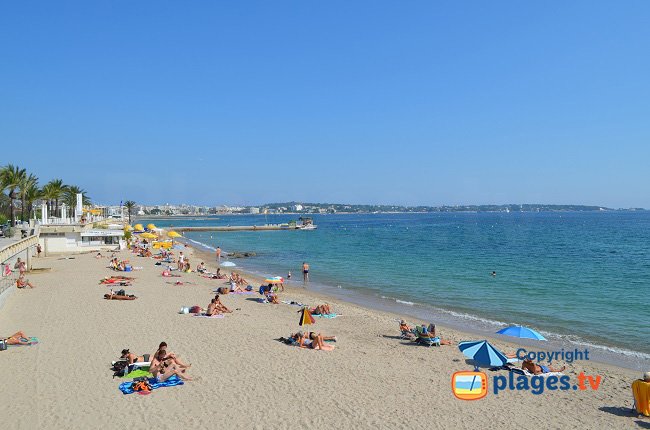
242 228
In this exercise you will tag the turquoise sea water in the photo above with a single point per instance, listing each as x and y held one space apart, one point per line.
578 277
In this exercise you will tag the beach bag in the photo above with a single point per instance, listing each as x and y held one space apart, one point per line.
184 310
3 344
195 309
120 368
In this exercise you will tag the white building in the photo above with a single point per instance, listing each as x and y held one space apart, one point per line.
297 208
253 210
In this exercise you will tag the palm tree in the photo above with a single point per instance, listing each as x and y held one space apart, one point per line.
10 179
129 205
32 194
70 196
53 191
27 182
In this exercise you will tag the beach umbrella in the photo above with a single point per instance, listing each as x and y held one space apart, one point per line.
128 228
521 332
148 235
274 280
228 264
151 226
138 227
173 234
305 317
482 353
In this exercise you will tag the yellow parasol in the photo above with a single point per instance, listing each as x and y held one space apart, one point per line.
173 234
138 227
128 228
305 317
151 226
148 235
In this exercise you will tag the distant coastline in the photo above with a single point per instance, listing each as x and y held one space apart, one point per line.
288 208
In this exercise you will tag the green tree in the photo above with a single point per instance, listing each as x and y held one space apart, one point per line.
129 205
70 196
54 191
32 194
10 178
27 182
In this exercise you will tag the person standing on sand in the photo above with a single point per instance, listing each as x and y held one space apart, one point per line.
38 250
218 255
305 272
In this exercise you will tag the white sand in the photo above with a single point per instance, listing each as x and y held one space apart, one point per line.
245 378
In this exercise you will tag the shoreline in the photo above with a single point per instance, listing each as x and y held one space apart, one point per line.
632 360
371 380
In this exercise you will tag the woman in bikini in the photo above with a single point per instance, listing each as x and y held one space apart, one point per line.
132 358
163 367
19 338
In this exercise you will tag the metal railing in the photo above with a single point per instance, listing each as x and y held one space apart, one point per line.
7 253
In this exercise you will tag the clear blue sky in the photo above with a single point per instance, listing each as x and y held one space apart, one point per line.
361 102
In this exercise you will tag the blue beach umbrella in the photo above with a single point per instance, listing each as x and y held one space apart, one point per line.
482 353
521 332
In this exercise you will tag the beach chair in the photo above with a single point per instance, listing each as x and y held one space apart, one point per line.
407 334
423 339
641 392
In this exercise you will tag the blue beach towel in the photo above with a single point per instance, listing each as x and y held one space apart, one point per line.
326 315
125 387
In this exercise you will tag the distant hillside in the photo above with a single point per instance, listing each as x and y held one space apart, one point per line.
340 207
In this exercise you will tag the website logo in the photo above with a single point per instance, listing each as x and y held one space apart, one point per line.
467 385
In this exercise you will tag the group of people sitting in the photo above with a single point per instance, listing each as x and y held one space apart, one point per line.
118 265
216 307
22 281
237 279
163 364
321 310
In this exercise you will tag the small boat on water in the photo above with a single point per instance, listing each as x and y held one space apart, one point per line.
306 224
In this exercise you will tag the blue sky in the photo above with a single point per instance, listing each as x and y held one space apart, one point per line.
360 102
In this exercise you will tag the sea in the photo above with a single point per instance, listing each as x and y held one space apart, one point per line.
582 279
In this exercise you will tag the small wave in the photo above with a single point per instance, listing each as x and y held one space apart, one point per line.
405 302
201 244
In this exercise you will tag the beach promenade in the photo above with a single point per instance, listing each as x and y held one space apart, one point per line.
244 377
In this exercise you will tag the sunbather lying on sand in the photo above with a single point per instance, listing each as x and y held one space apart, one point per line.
19 338
313 340
538 369
114 296
321 310
132 358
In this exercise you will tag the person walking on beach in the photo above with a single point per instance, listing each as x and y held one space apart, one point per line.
218 255
305 272
38 250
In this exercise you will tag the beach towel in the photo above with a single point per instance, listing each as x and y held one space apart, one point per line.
33 340
125 387
234 292
326 315
293 303
208 316
138 373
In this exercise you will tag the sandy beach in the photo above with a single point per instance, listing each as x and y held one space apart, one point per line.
244 377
